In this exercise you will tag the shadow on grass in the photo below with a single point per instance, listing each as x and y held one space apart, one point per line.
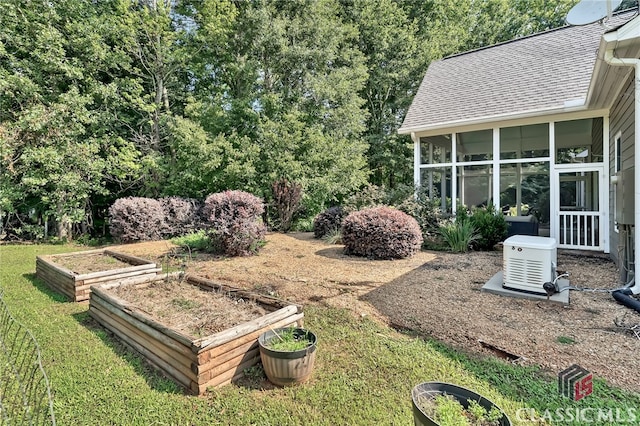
154 378
39 284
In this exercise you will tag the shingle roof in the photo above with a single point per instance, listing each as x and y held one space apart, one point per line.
537 72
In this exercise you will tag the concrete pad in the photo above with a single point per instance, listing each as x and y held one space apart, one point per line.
494 285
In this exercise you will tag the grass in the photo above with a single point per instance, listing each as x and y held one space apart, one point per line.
364 372
287 340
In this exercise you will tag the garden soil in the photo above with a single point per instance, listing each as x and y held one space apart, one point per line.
437 294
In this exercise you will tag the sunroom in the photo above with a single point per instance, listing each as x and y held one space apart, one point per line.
551 173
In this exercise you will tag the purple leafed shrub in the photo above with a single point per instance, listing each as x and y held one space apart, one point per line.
381 233
233 220
327 221
136 219
181 215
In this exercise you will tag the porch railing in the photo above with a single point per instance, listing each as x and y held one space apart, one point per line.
579 230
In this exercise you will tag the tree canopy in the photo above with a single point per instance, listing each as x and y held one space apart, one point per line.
112 98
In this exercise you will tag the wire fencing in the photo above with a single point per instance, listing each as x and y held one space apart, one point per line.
25 396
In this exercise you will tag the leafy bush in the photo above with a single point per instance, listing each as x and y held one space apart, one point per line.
136 219
425 211
459 235
490 225
286 199
369 196
181 215
328 221
381 233
194 241
233 221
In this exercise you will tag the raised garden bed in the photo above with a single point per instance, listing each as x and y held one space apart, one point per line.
200 339
72 274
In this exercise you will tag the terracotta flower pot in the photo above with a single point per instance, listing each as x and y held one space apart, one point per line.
287 368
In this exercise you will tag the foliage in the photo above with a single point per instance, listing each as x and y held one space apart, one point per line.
367 356
286 200
448 411
459 235
425 211
490 226
327 221
136 219
333 237
233 221
369 196
194 241
381 233
287 340
181 215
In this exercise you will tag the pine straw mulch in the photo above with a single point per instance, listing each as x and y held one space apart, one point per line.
188 308
438 294
87 263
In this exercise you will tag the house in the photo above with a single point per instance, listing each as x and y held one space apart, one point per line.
542 125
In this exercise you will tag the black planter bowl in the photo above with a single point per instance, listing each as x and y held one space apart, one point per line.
429 390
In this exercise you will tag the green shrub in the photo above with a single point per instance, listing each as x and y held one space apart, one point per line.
195 241
328 221
381 233
490 225
458 235
425 211
369 196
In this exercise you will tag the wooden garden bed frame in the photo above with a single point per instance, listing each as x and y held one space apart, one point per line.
195 364
77 287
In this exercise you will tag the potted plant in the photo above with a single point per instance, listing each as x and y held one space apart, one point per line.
287 355
437 403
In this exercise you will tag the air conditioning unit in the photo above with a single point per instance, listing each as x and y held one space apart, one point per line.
528 262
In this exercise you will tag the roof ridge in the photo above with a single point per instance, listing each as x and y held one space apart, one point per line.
564 27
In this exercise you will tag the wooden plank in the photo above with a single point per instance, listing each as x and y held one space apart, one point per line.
227 376
143 282
58 270
120 275
177 345
233 363
149 355
263 299
177 360
207 355
224 357
129 258
76 253
99 274
217 339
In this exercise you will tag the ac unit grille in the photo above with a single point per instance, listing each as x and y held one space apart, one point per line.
525 272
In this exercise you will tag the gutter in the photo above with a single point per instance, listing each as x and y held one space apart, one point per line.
611 59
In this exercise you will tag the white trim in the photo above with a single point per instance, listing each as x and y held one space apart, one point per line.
604 184
454 175
416 160
496 169
493 122
553 185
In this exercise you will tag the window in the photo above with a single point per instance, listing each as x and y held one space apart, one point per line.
524 142
435 149
475 185
475 146
617 166
436 181
579 141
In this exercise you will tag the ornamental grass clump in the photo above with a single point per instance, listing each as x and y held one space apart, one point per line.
328 222
134 219
233 222
381 233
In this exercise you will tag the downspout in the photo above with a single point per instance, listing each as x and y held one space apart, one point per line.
628 62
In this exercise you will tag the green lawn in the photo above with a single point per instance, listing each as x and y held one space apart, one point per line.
364 372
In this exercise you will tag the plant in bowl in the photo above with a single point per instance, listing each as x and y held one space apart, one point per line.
444 404
287 355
